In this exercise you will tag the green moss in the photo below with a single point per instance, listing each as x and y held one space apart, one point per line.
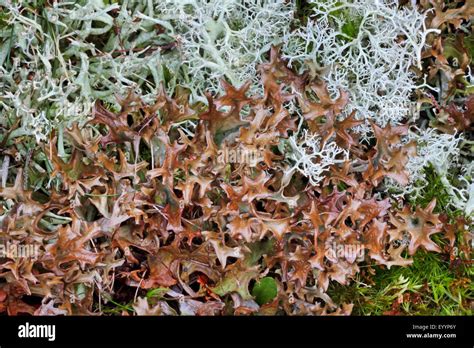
430 286
351 28
350 23
434 189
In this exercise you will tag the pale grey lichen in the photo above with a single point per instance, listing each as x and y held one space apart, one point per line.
367 48
312 158
224 39
57 60
442 152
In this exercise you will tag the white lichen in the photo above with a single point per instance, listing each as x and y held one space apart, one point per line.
442 152
224 38
312 160
368 48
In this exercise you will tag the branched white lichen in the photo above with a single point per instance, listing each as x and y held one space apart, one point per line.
438 149
310 159
225 38
442 152
368 48
465 194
